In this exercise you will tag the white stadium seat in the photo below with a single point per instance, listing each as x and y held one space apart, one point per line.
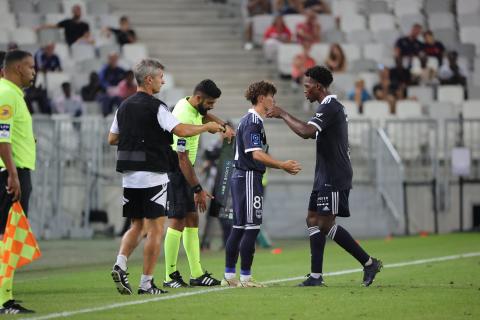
408 109
468 6
450 93
376 110
134 52
286 53
352 22
23 36
260 25
381 21
471 109
441 20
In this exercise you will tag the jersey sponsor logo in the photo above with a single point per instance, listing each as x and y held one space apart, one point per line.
256 139
181 145
5 112
4 130
318 115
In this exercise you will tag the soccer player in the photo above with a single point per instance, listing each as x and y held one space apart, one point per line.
333 175
185 192
143 129
250 160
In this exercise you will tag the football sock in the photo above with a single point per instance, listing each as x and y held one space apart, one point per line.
230 275
247 248
317 247
245 275
191 243
172 245
146 282
232 249
369 262
345 240
121 262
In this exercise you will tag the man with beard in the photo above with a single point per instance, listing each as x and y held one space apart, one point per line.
185 193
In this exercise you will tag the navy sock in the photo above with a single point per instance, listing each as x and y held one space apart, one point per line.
345 240
247 249
232 248
317 247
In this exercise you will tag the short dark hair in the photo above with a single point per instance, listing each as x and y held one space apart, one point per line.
15 56
320 74
261 88
208 88
2 57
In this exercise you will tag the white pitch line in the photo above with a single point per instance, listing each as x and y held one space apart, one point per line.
192 293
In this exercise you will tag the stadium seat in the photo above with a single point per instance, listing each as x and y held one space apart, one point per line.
470 35
466 50
81 79
359 37
441 20
260 24
285 55
327 22
408 109
46 36
362 65
98 7
376 110
471 109
376 51
406 22
468 6
352 51
68 4
447 36
29 20
381 21
351 108
440 111
62 51
54 18
4 7
108 20
387 37
49 6
352 22
333 36
89 65
370 78
343 83
450 93
4 39
81 51
23 36
54 81
7 21
376 6
468 20
407 7
292 20
133 52
105 49
438 6
344 7
25 6
320 51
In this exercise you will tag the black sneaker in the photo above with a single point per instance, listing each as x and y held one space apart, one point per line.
371 271
176 282
312 282
153 289
12 307
121 280
205 280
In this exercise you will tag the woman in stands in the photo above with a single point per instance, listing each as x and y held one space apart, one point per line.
336 61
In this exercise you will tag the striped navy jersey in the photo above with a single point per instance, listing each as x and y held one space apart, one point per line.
250 137
333 167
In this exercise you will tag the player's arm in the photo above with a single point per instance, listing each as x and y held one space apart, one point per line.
290 166
6 154
113 138
189 130
229 132
302 129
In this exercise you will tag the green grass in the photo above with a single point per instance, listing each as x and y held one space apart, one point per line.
76 275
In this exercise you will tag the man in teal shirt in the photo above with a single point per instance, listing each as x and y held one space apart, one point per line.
186 195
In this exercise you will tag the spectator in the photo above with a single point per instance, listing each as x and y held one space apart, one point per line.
93 91
254 8
359 94
12 45
432 47
423 72
124 34
451 72
319 6
75 29
309 31
400 78
277 33
111 74
127 86
384 90
288 6
68 103
336 60
301 62
409 46
47 60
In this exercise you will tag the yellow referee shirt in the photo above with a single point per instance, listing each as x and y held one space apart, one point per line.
16 125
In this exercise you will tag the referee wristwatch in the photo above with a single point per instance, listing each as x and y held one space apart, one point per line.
197 188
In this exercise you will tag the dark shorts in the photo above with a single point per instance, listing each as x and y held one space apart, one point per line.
180 196
6 200
328 201
247 199
147 203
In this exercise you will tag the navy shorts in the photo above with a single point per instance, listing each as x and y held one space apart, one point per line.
147 203
180 196
328 201
247 199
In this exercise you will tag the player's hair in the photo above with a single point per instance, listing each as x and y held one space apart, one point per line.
261 88
14 56
146 67
320 74
208 88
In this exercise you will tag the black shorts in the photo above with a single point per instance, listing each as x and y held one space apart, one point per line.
147 203
328 201
180 196
247 199
6 199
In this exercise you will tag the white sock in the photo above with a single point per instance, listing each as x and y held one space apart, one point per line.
122 262
245 277
146 282
369 262
315 275
229 276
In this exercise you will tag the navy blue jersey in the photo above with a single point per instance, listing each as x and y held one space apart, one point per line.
250 137
333 167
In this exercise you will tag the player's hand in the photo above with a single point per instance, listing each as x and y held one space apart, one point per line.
200 199
275 112
13 187
214 127
229 133
291 166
